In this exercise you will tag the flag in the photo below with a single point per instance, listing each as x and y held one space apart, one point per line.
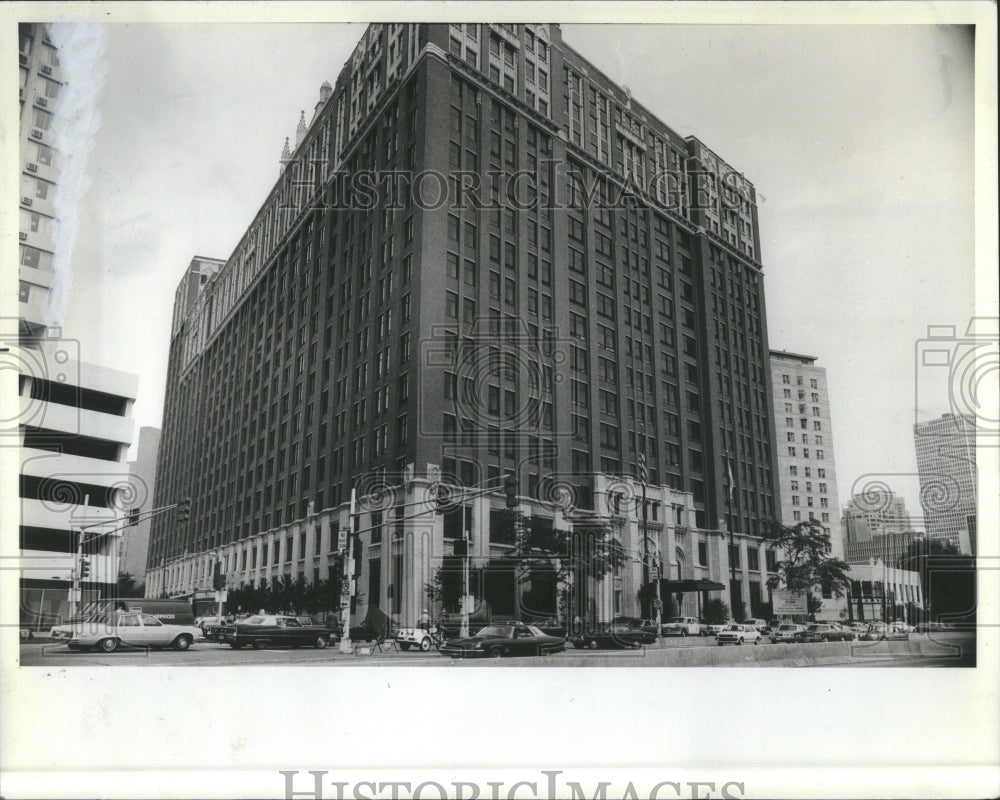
642 468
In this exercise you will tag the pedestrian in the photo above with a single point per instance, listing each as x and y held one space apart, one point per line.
425 621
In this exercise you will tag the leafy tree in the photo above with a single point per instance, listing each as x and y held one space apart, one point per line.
716 612
807 561
548 559
299 591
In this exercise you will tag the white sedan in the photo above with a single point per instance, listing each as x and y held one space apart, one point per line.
737 634
131 630
681 626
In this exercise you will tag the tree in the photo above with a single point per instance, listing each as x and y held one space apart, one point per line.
558 563
716 612
807 561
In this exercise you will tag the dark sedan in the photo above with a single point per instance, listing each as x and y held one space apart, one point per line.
617 635
825 632
496 641
272 630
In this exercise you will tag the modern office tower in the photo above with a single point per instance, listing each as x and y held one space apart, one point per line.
946 461
74 423
807 474
481 257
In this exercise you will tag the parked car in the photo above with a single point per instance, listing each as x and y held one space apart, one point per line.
828 632
648 625
682 626
738 634
760 624
859 628
788 633
617 634
112 631
713 628
881 631
275 630
213 628
495 641
421 638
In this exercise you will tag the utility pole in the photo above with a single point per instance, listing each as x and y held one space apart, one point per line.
347 591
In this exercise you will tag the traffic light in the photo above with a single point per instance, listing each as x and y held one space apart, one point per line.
218 577
510 489
84 567
184 510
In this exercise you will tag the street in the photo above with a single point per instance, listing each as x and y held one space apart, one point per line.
939 649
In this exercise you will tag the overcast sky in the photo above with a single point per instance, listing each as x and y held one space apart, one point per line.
858 140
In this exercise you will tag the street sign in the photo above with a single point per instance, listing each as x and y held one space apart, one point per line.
654 572
788 602
74 595
342 540
221 596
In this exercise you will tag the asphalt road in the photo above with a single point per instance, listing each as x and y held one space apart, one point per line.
205 654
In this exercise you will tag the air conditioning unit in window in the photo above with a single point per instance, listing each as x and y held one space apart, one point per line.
32 166
26 201
36 133
22 235
23 59
42 102
46 69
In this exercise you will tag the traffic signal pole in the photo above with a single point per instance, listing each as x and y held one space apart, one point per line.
74 593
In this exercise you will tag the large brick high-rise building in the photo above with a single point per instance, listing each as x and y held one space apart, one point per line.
481 257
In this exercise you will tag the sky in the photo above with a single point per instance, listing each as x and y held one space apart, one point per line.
859 141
